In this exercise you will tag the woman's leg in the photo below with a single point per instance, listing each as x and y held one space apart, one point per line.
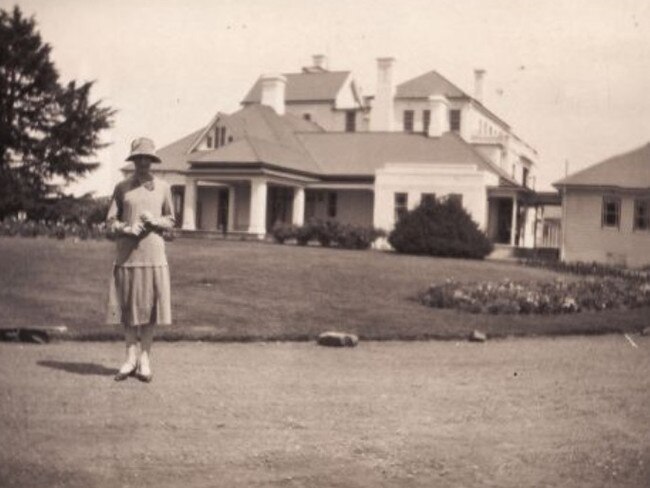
131 362
146 341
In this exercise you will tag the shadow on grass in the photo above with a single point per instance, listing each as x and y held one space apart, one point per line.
79 368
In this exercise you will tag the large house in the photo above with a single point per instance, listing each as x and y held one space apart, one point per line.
310 144
606 211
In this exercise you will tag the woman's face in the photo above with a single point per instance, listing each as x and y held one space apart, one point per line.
142 165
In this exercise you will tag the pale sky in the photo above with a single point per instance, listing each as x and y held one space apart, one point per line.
571 77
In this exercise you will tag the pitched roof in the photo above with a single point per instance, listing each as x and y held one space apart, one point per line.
431 83
307 86
627 170
362 153
174 156
262 136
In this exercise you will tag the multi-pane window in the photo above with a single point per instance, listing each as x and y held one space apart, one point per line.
331 204
408 120
426 120
611 211
642 214
524 176
401 205
454 120
350 121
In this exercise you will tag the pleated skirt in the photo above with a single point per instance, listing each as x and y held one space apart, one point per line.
139 296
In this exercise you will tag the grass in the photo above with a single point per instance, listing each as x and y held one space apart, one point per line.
257 291
569 413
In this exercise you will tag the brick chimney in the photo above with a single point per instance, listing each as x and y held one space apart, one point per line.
320 61
439 122
273 87
382 114
479 74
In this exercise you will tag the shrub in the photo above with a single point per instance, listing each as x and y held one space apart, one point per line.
325 231
281 232
440 228
356 237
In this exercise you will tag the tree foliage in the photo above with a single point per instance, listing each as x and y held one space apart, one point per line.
440 228
48 130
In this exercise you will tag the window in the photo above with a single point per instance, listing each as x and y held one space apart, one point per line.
209 141
331 204
456 198
408 120
350 121
642 214
524 176
611 211
428 197
306 116
401 205
426 121
223 136
454 120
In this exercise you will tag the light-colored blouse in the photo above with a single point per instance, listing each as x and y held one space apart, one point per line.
131 199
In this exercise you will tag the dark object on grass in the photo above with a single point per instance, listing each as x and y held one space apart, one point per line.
34 336
477 336
440 228
338 339
646 331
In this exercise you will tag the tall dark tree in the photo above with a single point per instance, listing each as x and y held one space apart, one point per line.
47 129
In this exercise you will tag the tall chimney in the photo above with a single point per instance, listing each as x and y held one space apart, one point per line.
273 86
478 84
320 61
381 116
439 122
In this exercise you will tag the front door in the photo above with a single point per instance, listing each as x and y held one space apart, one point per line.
280 206
504 220
222 210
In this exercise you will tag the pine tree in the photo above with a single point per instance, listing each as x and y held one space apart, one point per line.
47 129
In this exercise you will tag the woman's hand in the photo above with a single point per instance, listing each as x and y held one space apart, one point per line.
134 230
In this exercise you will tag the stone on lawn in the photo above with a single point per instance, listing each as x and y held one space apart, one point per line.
477 336
646 331
338 339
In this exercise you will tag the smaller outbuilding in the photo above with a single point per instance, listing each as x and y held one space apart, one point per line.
606 211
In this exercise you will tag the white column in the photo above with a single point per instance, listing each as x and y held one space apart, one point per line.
189 205
257 222
231 208
298 213
513 226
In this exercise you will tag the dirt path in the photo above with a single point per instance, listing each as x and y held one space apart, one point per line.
570 412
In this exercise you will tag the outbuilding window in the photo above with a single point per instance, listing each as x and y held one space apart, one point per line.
642 214
401 205
611 211
408 120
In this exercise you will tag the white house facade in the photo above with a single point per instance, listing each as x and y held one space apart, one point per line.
606 211
309 144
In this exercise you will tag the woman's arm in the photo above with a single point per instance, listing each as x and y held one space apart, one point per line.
115 227
166 221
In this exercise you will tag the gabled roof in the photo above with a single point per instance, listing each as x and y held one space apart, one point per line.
306 86
628 170
431 83
174 156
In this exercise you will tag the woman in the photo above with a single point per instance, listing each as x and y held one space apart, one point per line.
140 211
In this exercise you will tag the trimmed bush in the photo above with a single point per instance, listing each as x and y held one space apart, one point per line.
282 232
440 228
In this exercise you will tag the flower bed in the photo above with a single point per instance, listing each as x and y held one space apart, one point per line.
551 297
58 230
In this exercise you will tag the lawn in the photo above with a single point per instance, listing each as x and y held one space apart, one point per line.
231 290
567 412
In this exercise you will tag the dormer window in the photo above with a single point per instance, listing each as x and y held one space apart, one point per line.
350 121
209 142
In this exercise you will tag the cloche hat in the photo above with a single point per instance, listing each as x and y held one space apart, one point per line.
143 146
